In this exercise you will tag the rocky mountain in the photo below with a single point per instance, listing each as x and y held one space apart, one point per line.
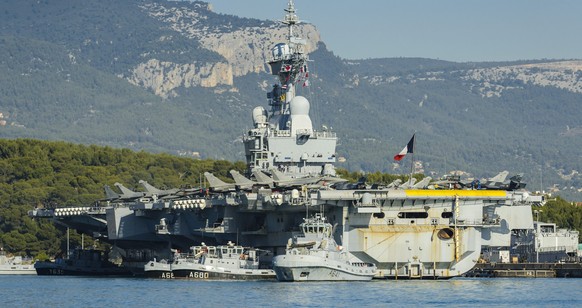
174 76
245 49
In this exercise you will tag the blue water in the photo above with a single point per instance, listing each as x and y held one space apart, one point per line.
55 291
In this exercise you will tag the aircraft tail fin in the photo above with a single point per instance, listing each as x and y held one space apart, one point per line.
408 184
109 193
423 183
262 178
240 180
124 190
395 183
149 188
278 176
213 181
500 177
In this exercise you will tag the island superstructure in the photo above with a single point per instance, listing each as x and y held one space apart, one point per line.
406 233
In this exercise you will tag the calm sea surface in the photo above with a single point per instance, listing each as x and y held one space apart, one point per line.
47 291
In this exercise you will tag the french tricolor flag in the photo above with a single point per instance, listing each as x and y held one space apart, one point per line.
409 148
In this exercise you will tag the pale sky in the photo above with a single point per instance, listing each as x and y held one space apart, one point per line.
454 30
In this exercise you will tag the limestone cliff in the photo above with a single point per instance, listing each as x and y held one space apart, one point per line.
244 48
566 75
163 77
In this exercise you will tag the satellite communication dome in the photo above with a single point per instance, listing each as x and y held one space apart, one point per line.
299 106
259 115
300 121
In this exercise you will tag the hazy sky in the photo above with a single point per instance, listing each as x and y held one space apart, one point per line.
455 30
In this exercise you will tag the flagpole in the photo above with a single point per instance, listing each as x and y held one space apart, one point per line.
412 159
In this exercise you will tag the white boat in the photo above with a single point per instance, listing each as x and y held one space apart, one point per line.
225 262
315 256
15 265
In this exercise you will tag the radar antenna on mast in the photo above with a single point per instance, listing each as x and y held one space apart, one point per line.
291 18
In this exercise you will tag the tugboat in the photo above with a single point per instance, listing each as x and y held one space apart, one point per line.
315 256
225 262
82 262
14 265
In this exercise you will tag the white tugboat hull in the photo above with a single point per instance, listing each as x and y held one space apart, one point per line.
312 268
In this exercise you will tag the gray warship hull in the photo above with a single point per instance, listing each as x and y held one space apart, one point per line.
406 233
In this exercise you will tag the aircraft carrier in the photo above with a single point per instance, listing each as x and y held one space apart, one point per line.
408 230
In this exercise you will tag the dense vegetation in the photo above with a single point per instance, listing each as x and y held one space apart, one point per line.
46 174
563 213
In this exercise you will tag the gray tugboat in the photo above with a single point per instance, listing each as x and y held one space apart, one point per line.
407 231
315 256
224 262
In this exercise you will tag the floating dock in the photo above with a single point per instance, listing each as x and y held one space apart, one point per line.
527 270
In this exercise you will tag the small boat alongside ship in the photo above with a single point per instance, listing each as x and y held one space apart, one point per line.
224 262
82 262
315 256
15 265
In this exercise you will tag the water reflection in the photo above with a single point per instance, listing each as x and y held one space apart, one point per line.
104 292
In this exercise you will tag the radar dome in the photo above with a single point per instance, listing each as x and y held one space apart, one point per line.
259 116
299 106
300 121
